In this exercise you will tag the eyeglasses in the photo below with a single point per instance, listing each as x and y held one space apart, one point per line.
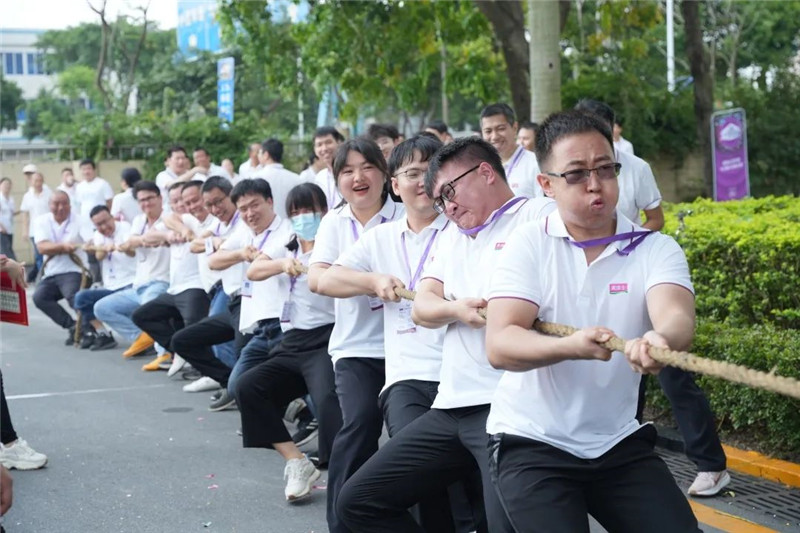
449 191
412 174
215 203
146 198
580 175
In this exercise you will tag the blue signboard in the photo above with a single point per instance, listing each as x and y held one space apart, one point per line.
198 28
225 71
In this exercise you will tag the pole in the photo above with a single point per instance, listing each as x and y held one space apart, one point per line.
670 45
531 52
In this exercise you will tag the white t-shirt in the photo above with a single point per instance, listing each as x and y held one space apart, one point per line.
213 170
326 182
36 206
184 268
152 264
72 193
125 207
309 175
281 181
521 172
45 228
623 145
582 407
412 352
307 310
637 186
464 265
164 179
90 194
7 208
119 269
359 326
247 170
208 277
232 276
261 299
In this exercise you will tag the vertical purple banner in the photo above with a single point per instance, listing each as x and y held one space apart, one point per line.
729 149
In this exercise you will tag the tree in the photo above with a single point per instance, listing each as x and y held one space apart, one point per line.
10 101
545 58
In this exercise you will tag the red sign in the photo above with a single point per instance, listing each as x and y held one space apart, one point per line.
13 304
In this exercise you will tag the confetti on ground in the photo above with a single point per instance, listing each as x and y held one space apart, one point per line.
212 487
200 418
321 487
209 476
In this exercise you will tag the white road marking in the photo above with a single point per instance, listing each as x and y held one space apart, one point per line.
87 391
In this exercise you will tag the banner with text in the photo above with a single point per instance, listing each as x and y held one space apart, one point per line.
729 153
225 68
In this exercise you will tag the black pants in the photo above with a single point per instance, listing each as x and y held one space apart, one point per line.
628 489
451 510
169 313
194 342
298 365
693 414
7 245
51 289
94 268
7 433
431 453
359 380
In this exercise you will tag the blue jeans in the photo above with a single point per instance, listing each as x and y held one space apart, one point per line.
116 309
86 298
256 351
225 352
38 259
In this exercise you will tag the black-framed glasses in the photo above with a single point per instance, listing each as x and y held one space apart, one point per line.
580 175
449 191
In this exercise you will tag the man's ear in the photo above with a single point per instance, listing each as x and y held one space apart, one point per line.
546 183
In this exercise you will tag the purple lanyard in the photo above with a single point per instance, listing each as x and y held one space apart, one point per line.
264 239
293 279
636 239
497 214
233 221
56 237
514 161
144 228
355 228
420 266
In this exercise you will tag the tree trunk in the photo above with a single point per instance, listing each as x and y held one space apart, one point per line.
545 62
703 84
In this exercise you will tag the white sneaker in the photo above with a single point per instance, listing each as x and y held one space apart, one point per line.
203 384
21 456
709 483
177 365
301 475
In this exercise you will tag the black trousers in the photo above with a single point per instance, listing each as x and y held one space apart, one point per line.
359 380
194 342
51 289
7 245
628 489
431 453
298 365
451 510
168 313
7 433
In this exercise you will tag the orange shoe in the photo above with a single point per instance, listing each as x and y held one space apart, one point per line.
155 364
142 343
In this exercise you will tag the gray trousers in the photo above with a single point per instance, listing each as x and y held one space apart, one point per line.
51 289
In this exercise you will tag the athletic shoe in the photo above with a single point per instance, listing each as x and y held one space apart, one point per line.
155 364
709 483
191 374
306 433
294 407
142 343
316 462
301 475
21 456
217 395
226 401
178 363
203 384
103 341
87 341
71 339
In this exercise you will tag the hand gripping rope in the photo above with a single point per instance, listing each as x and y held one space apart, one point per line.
85 276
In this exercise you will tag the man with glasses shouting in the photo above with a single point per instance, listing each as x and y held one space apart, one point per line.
467 182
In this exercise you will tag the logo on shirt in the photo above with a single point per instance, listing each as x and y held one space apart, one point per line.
616 288
499 245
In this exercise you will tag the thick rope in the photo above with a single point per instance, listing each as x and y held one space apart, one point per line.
683 360
85 275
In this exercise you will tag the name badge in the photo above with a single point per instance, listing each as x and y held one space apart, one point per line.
247 288
404 322
209 245
375 303
286 312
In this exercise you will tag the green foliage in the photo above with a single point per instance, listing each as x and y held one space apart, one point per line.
10 101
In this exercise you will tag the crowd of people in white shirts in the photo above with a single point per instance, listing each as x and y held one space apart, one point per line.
280 290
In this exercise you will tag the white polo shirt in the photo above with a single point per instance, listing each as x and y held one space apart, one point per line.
213 170
208 277
35 206
7 208
45 228
152 264
464 265
164 179
328 185
184 266
307 310
309 175
247 170
412 352
623 145
637 186
125 207
581 407
119 268
88 195
71 191
260 299
232 276
521 172
281 181
359 326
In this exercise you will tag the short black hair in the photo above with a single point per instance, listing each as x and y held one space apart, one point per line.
472 150
528 125
306 196
145 185
87 161
565 124
376 131
98 209
218 182
201 149
274 148
175 185
176 148
601 109
403 153
437 125
67 169
190 184
371 152
131 176
4 179
249 187
499 109
324 131
428 135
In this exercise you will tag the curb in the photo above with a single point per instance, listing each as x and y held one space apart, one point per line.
747 462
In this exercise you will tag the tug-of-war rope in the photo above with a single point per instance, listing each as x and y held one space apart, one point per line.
683 360
85 277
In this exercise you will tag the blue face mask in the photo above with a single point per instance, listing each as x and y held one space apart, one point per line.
306 225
